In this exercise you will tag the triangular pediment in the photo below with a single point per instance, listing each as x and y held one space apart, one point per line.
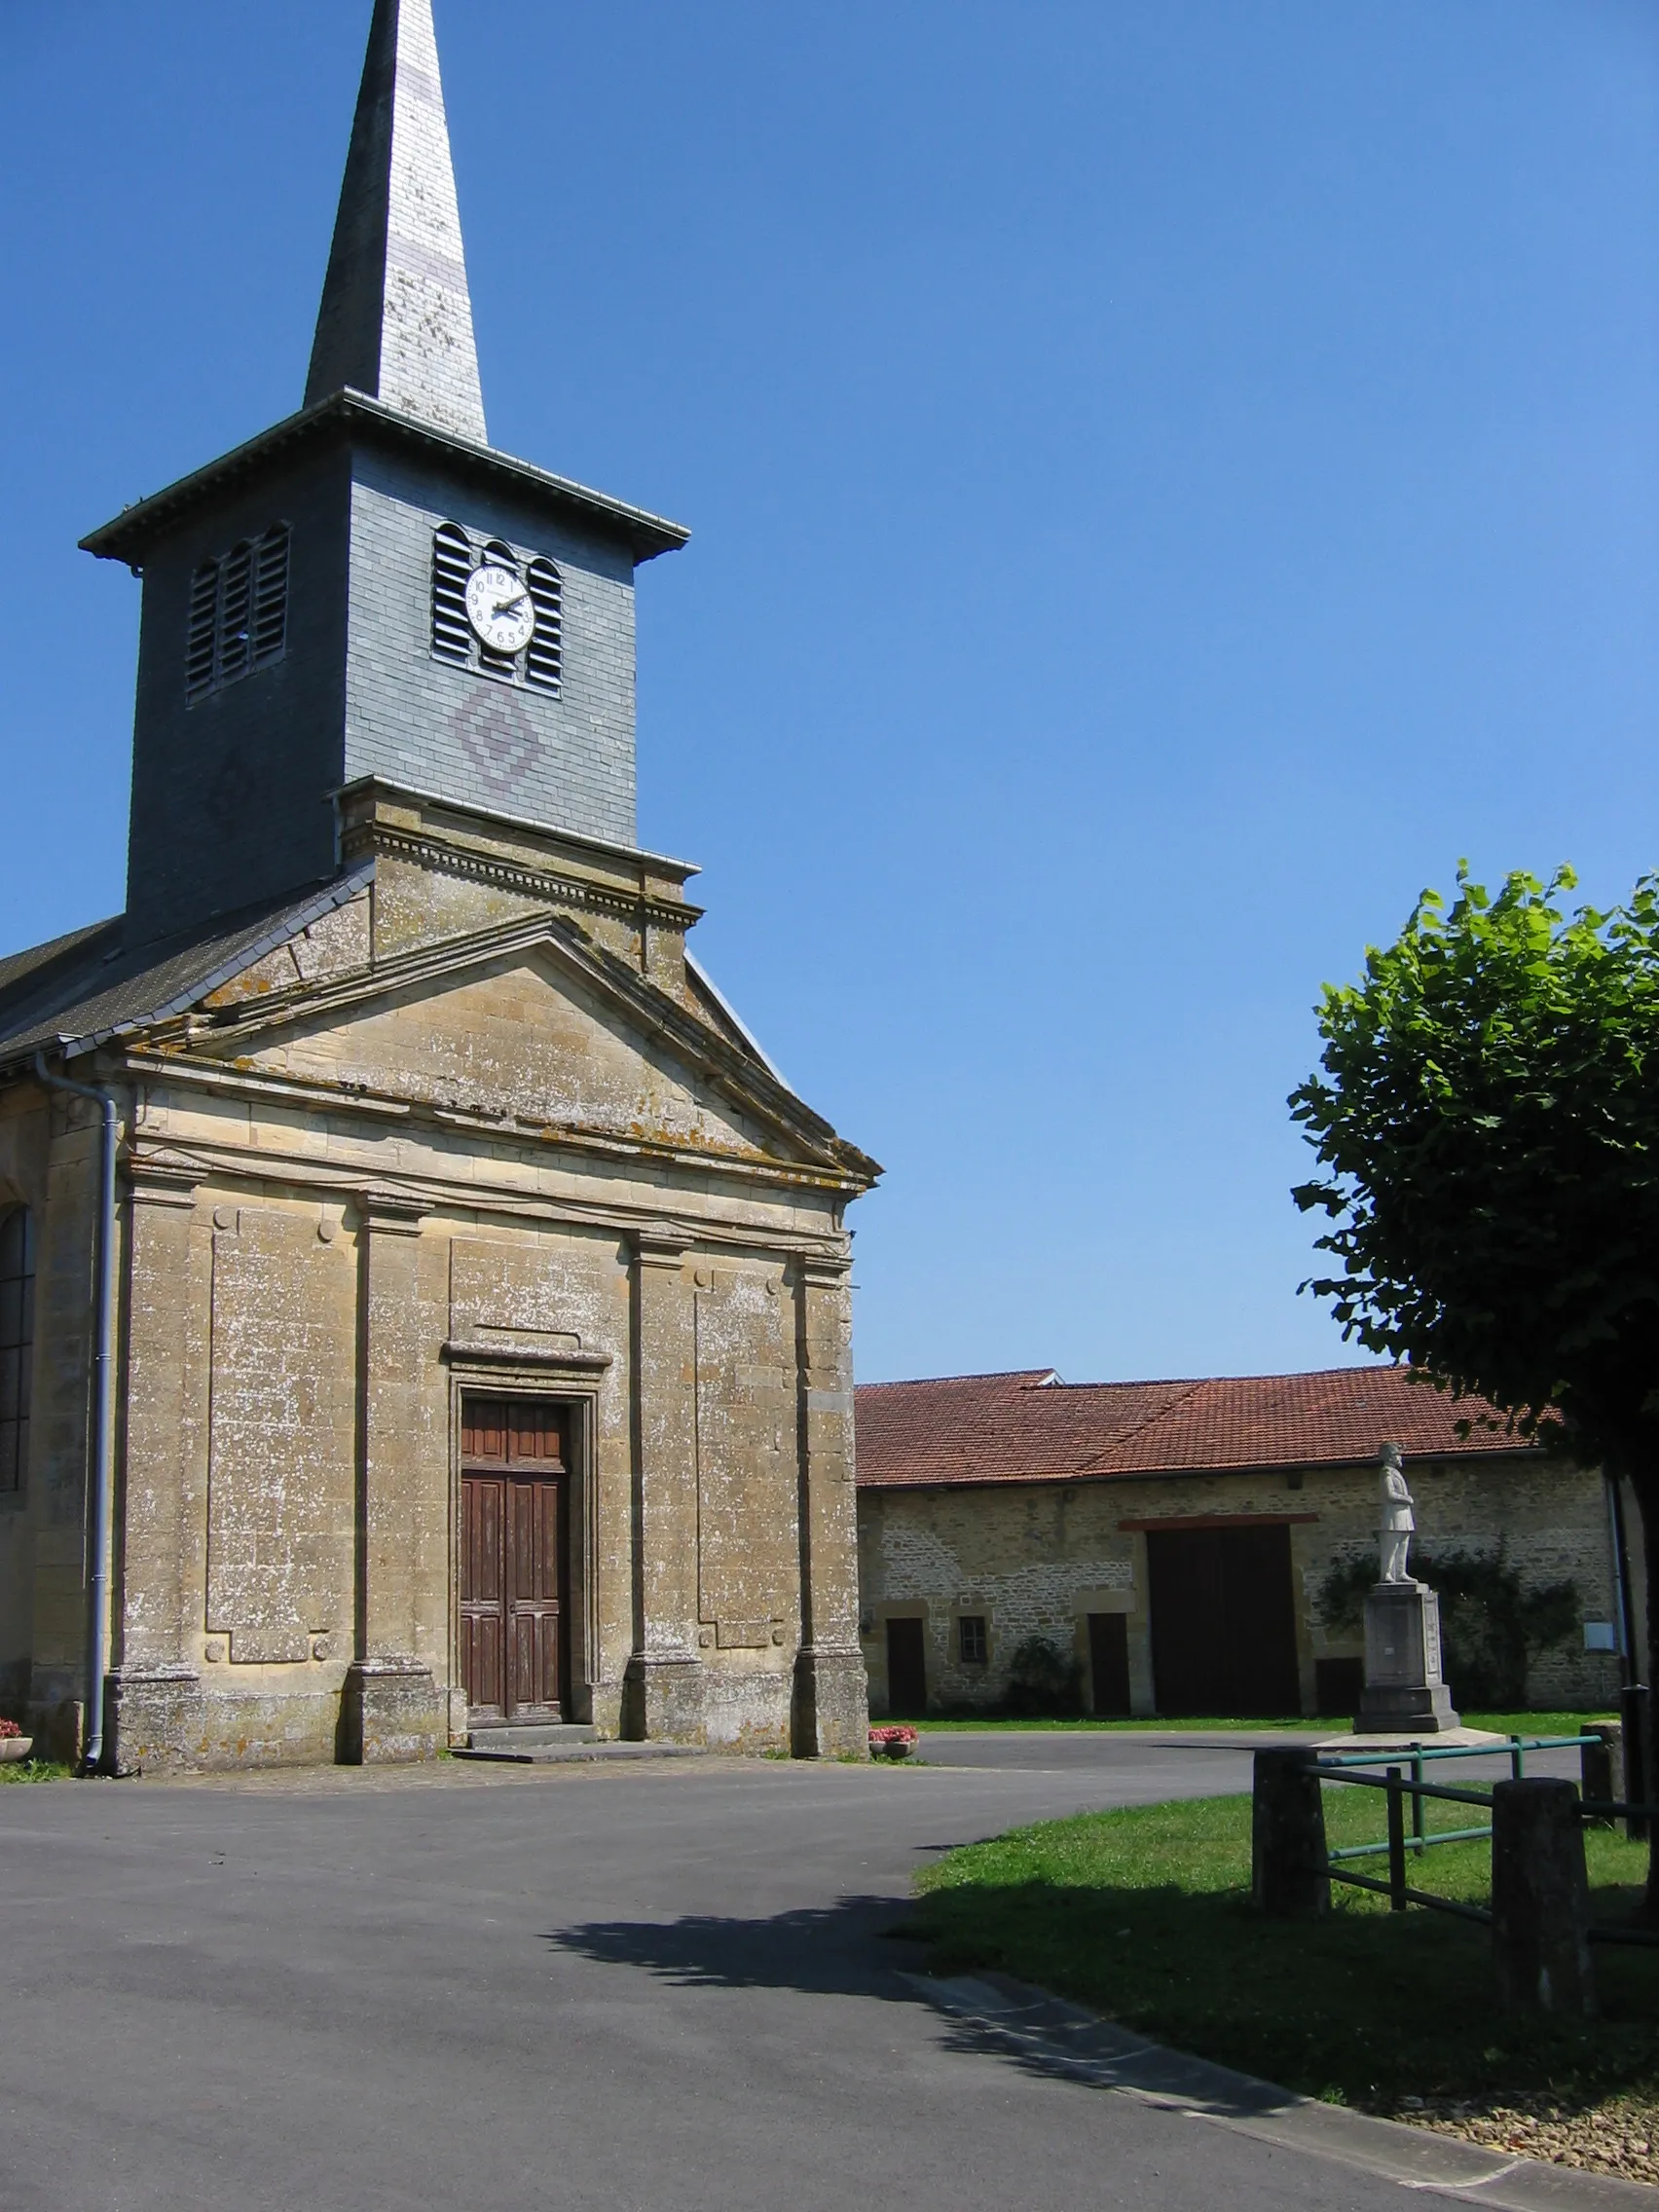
536 1027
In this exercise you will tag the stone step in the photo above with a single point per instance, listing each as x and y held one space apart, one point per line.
568 1753
530 1736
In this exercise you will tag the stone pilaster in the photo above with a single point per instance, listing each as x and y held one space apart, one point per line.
663 1687
155 1715
392 1709
831 1696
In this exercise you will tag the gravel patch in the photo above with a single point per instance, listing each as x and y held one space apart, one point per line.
1620 2137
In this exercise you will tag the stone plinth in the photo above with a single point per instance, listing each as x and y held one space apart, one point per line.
1405 1689
391 1711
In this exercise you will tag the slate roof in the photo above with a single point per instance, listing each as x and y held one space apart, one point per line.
82 988
1031 1428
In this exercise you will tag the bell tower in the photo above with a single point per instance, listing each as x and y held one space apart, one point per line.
370 588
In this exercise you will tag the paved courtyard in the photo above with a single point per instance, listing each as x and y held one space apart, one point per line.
656 1988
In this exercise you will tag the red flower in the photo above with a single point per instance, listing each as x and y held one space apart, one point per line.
9 1729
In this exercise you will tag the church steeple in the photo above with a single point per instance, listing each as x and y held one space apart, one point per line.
396 316
369 591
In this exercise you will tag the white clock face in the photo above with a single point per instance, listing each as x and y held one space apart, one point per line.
499 608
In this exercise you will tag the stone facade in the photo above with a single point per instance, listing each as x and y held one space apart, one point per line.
454 1138
1039 1557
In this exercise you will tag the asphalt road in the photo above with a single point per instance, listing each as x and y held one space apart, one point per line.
657 1987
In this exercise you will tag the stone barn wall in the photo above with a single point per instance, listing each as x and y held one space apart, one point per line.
1039 1558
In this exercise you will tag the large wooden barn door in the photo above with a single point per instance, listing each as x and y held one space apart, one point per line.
515 1461
1223 1621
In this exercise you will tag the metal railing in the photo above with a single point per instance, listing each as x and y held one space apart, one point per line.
1397 1844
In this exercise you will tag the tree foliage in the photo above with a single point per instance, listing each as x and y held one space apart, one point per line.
1043 1680
1486 1123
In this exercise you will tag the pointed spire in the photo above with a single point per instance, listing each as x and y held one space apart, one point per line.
396 318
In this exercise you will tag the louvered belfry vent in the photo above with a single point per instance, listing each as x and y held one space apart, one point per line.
452 565
239 613
456 555
544 655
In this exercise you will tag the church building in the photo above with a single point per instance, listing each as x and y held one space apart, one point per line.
423 1309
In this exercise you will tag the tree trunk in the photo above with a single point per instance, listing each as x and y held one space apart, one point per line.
1646 1488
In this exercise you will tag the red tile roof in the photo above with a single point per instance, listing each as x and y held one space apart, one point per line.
1030 1427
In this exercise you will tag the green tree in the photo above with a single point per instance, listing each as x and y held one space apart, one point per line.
1486 1124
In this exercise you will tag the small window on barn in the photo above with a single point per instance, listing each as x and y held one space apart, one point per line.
16 1342
239 613
973 1641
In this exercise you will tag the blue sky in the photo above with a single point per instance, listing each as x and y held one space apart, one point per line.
1166 479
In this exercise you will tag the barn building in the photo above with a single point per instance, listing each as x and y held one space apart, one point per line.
1176 1542
423 1309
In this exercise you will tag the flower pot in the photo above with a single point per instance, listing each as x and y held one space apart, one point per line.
899 1749
14 1747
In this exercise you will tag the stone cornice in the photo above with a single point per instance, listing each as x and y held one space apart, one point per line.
247 1084
462 1352
729 1070
300 1172
161 1180
349 417
425 849
825 1272
662 1245
389 1212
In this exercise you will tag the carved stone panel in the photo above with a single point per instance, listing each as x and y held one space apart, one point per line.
748 1550
539 1294
281 1470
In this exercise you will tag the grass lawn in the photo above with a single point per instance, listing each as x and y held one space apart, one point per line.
1499 1723
1145 1915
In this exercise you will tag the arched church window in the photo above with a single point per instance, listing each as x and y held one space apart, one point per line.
238 613
16 1342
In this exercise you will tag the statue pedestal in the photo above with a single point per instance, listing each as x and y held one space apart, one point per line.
1405 1691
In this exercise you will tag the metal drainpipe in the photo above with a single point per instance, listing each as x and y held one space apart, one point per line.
1630 1659
104 1454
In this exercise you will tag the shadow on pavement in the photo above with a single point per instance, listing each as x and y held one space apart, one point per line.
839 1950
824 1950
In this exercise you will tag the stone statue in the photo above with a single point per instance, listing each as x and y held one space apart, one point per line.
1397 1521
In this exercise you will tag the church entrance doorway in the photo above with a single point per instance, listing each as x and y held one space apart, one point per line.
515 1471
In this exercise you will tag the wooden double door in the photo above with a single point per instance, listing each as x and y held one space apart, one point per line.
1223 1621
515 1471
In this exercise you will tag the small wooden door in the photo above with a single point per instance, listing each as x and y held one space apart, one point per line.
515 1462
906 1667
1223 1621
1109 1664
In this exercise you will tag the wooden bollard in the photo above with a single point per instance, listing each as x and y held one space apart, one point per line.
1288 1880
1601 1767
1540 1900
